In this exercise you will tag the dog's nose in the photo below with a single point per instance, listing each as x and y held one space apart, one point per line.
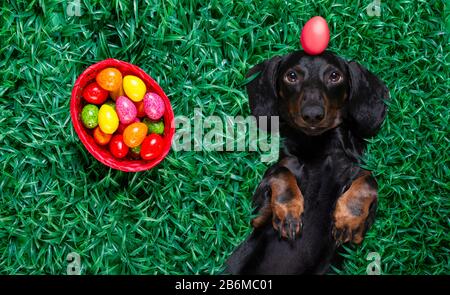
313 114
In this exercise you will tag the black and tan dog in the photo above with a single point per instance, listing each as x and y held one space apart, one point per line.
316 196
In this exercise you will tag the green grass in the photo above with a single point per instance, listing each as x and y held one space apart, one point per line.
187 215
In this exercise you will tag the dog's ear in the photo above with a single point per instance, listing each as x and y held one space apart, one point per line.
262 90
366 105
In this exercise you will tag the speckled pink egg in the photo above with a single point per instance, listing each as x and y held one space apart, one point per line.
126 110
153 106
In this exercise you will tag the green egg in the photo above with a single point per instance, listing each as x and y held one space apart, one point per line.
136 149
135 152
89 116
154 127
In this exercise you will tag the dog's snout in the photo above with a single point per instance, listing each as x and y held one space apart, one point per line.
312 95
312 114
312 105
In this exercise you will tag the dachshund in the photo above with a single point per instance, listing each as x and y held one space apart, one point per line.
316 196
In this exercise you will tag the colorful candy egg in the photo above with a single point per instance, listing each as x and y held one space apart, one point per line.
108 119
134 87
315 36
89 116
109 79
135 152
134 134
153 106
151 147
140 108
93 93
126 110
116 93
117 147
122 127
100 137
111 104
154 127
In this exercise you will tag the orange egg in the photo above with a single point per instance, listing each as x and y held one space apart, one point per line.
100 137
116 93
134 134
109 79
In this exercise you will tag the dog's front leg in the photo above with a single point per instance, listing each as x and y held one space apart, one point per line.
261 203
355 210
278 196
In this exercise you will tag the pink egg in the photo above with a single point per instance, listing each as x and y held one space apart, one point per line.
126 110
153 106
122 126
315 36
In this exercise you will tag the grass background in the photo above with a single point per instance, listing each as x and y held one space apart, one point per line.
188 214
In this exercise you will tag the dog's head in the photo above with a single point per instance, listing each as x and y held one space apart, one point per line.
317 93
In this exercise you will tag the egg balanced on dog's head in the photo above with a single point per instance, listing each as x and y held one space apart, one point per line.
315 36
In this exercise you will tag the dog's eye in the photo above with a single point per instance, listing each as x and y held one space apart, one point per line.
335 77
291 77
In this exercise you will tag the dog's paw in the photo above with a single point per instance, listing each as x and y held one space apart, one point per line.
288 221
263 216
287 206
354 212
348 228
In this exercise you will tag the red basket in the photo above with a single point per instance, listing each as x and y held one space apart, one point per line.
102 153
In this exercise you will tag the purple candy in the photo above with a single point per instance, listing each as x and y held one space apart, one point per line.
126 110
153 106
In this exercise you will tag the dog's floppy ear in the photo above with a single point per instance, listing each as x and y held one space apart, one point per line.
262 92
366 104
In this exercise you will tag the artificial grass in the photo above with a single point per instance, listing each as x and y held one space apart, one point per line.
188 214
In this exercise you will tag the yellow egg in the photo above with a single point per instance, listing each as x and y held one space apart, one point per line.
134 88
108 119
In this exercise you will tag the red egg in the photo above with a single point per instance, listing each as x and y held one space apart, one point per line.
151 147
315 36
118 147
140 108
93 93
